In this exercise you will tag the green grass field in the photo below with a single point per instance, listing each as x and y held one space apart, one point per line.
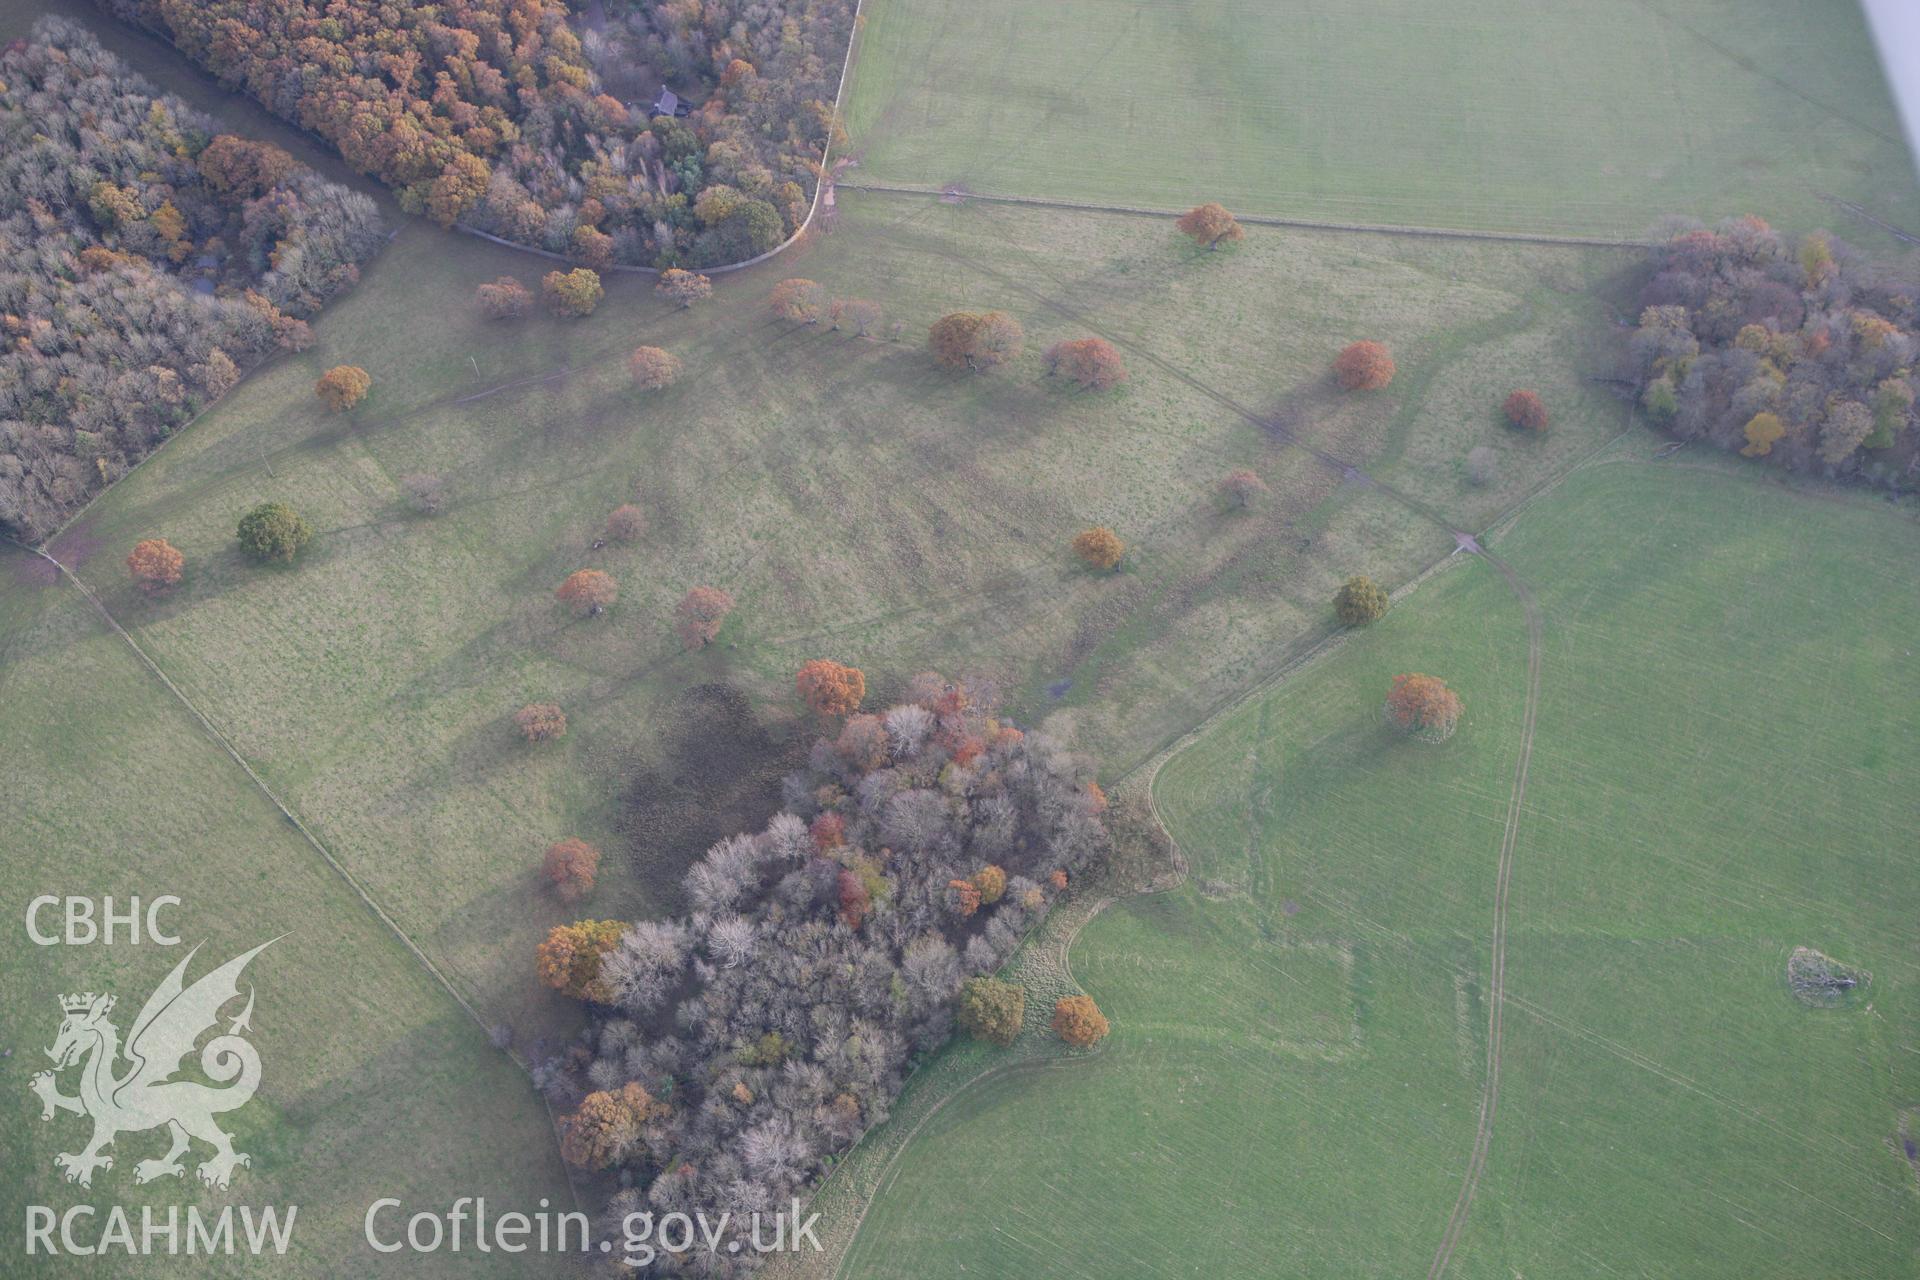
372 684
1490 114
1293 1081
374 1082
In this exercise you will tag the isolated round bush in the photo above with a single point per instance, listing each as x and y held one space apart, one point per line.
699 615
1483 465
572 293
155 564
1423 706
1099 547
1364 366
802 301
503 299
991 1010
1526 410
627 523
1078 1021
426 492
1359 601
588 592
540 722
1092 363
653 368
683 288
829 688
342 387
571 866
1210 225
1243 489
976 341
273 531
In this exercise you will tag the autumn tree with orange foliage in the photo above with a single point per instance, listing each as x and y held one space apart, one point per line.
963 897
1423 706
653 369
540 722
626 523
698 617
1093 363
569 960
503 299
588 592
342 387
1078 1021
244 168
829 688
572 294
155 565
571 866
802 301
1364 366
975 341
607 1125
683 288
1100 548
1210 225
1526 410
991 881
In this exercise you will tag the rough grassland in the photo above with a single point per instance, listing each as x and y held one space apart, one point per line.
374 1083
1501 114
1720 775
856 501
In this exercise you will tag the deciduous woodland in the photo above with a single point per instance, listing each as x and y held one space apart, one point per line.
500 115
1799 352
119 209
739 1047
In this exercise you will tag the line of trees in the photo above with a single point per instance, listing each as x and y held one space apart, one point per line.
1797 351
737 1048
501 115
146 260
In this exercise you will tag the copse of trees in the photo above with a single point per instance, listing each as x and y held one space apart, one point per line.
1799 352
975 341
788 1002
273 532
1092 363
653 369
342 387
1209 225
119 208
1363 366
500 115
572 294
155 565
1423 706
1100 548
588 592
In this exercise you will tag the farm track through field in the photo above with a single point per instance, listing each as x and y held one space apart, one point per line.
1256 219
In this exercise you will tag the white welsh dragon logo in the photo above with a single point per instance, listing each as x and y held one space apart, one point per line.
145 1096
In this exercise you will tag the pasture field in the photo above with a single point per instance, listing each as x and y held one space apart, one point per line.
1720 774
857 502
1484 114
374 1082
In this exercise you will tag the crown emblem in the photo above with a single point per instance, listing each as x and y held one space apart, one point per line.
82 1003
